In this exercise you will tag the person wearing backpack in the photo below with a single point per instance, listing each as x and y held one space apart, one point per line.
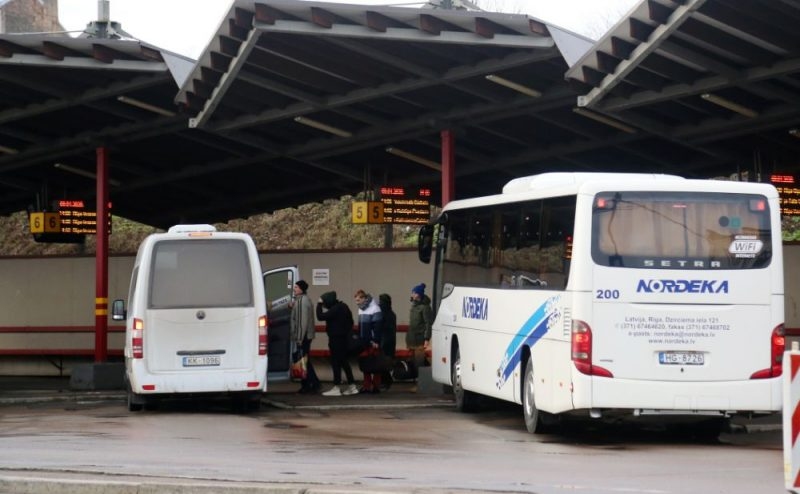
339 326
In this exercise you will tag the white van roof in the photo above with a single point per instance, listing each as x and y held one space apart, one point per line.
191 228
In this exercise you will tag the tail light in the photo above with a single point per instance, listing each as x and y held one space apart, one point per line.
777 347
262 335
137 340
582 350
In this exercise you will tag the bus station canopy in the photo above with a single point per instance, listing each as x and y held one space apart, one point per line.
295 101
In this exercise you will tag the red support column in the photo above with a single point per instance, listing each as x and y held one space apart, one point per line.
448 167
101 260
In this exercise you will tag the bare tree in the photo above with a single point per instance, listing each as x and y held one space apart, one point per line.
507 6
594 29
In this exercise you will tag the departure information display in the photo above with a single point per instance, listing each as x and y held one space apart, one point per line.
788 192
406 206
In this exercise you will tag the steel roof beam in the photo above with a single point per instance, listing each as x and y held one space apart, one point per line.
755 74
625 67
63 101
366 94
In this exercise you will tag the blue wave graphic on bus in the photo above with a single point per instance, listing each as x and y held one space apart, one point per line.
544 318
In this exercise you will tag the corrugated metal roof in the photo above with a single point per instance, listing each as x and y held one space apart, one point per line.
721 77
296 101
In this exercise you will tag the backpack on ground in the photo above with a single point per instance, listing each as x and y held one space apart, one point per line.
404 370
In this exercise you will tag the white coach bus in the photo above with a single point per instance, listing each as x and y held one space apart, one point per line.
607 294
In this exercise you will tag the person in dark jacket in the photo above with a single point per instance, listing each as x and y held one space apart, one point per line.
370 324
420 322
302 333
389 335
339 326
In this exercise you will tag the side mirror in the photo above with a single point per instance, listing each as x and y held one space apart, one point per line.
425 243
118 310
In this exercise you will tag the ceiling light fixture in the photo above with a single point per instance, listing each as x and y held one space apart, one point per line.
83 173
323 127
794 133
415 158
514 85
605 120
145 106
8 150
730 105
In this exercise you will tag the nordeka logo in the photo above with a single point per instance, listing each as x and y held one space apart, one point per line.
475 308
682 286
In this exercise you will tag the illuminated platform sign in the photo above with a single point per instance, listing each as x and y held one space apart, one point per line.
77 218
788 192
405 206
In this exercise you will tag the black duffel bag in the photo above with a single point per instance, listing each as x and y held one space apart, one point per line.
355 345
374 361
404 370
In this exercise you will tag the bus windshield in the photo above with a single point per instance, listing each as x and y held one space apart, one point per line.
681 230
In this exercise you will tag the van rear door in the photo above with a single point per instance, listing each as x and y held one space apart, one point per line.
278 286
201 311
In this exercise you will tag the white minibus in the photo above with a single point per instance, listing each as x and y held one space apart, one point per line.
196 320
603 294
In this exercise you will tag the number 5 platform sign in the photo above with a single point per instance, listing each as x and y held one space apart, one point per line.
368 212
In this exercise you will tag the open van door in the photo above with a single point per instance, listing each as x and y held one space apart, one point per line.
278 287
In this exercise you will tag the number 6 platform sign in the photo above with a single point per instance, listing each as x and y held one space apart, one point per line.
45 223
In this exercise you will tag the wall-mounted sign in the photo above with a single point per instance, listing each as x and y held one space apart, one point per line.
321 276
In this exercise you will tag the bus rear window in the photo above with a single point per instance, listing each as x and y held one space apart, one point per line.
670 230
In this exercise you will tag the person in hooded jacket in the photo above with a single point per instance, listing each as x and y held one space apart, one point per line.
302 333
420 322
370 322
389 335
338 325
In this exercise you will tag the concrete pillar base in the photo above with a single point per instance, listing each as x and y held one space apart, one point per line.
98 376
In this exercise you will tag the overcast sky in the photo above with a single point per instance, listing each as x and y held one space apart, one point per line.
186 26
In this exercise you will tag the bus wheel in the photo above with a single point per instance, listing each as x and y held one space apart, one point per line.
466 401
533 417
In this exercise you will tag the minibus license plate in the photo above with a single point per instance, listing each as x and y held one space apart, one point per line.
202 360
681 358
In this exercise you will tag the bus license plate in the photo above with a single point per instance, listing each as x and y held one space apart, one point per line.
681 358
202 361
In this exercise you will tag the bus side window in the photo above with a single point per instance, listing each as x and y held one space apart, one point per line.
558 218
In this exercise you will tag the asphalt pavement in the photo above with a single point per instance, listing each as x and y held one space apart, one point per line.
20 391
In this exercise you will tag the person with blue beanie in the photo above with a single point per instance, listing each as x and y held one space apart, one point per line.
420 322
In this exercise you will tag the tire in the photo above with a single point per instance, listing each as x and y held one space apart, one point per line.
135 401
254 405
465 401
243 403
536 421
529 410
704 430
